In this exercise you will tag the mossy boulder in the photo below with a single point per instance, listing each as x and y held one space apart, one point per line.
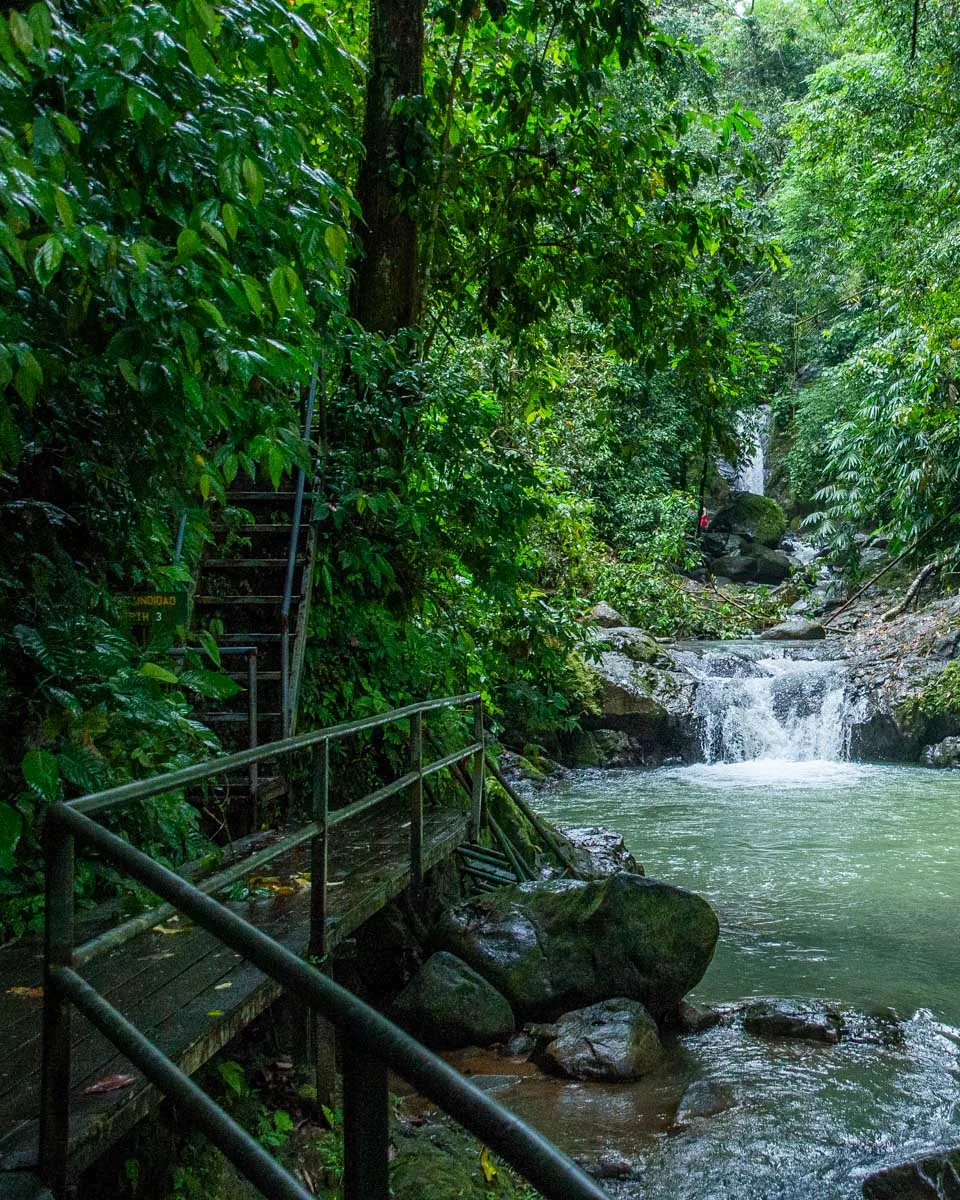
550 947
441 1163
448 1005
758 518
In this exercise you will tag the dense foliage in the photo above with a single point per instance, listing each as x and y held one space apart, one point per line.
179 230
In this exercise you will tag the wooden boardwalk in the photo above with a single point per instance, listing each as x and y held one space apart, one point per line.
185 990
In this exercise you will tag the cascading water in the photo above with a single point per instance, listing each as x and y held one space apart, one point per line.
761 701
750 477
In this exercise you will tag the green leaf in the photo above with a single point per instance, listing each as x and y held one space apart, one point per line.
200 57
42 774
208 642
231 222
251 289
214 234
67 128
275 465
279 286
129 374
161 674
11 827
208 17
21 32
188 244
336 239
140 253
136 104
12 245
48 259
28 379
253 180
65 208
41 23
211 684
213 312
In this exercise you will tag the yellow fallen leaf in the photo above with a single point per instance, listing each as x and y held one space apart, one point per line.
489 1170
27 993
282 890
167 929
220 986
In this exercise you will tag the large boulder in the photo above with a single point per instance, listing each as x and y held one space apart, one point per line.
650 703
738 568
795 630
936 1177
615 1040
563 944
443 1163
635 644
773 566
448 1005
606 616
598 851
757 518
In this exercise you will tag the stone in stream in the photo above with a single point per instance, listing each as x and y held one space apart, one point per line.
786 1019
936 1177
795 630
613 1041
554 946
942 754
737 568
448 1005
704 1098
773 566
606 615
599 852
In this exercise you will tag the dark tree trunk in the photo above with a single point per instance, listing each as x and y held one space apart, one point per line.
387 292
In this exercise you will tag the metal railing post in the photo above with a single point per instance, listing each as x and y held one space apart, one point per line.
476 814
416 799
366 1125
319 849
55 1060
253 718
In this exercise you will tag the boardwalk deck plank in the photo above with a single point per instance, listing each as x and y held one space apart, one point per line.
171 985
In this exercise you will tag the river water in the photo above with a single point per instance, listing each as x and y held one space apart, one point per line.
834 881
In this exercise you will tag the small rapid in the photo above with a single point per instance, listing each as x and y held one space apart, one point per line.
763 701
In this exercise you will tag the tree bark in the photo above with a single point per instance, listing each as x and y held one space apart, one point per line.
387 288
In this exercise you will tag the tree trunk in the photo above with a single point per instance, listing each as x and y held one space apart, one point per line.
387 293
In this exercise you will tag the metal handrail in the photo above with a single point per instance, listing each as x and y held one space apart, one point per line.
285 714
372 1044
156 785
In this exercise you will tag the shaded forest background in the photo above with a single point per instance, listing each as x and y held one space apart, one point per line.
542 254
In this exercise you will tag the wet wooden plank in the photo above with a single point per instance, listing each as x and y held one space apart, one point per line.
172 986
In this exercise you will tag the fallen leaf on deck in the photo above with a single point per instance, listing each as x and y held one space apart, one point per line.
220 986
215 1012
489 1170
109 1083
282 890
26 993
167 929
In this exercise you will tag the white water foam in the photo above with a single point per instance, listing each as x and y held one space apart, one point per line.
756 704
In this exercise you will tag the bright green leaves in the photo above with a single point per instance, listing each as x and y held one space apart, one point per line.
335 237
41 773
253 181
284 286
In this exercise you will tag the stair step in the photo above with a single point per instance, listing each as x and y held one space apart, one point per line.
225 564
231 717
258 527
206 600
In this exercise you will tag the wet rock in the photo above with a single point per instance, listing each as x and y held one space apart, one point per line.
705 1098
635 644
651 704
599 748
615 1040
520 1045
448 1005
934 1178
563 944
784 1019
737 568
609 1165
693 1019
599 852
773 566
795 630
606 616
942 754
757 518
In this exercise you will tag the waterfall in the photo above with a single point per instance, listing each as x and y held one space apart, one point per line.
761 701
753 425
